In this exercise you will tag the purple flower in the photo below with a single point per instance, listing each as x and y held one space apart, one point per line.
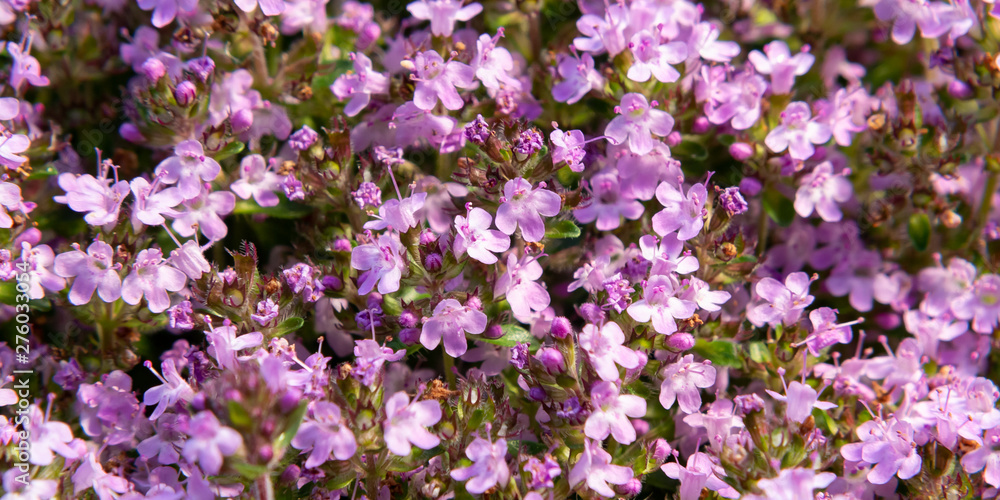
382 262
704 42
399 215
153 277
494 65
608 204
204 212
718 422
568 147
518 284
47 436
793 484
369 358
684 214
981 304
93 270
223 344
324 434
737 100
268 7
173 389
10 147
702 471
889 446
90 474
443 13
528 143
210 441
164 11
661 305
367 195
152 203
473 235
309 16
452 320
650 58
542 473
97 196
267 310
189 167
986 457
907 15
477 131
25 67
669 257
785 302
825 330
699 292
636 120
732 201
523 206
437 79
489 467
797 132
257 180
783 67
579 77
303 138
406 423
10 199
604 349
822 189
181 316
39 261
594 466
603 33
611 412
800 399
682 381
359 85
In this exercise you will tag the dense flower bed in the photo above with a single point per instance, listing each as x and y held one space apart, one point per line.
529 249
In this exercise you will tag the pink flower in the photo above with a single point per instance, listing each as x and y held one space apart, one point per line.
661 305
669 257
704 42
224 345
636 121
210 441
25 68
650 58
608 204
399 215
889 446
10 148
152 203
204 212
190 259
798 132
684 214
783 67
360 85
523 206
594 466
97 196
257 180
406 423
986 457
793 484
568 147
823 189
489 467
737 100
800 399
189 167
611 412
382 262
437 79
518 285
94 270
166 395
452 320
785 302
825 330
702 472
980 303
324 434
494 65
164 11
682 381
443 13
152 277
579 77
474 236
268 7
604 349
38 261
603 33
718 422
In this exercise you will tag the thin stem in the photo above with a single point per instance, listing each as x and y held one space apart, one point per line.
265 489
449 374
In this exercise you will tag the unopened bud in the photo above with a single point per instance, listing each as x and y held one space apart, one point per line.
561 327
701 125
631 488
185 93
740 151
680 341
153 69
433 262
241 120
551 359
660 449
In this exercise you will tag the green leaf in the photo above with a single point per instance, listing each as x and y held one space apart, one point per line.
759 352
779 208
288 326
742 259
920 230
513 335
231 149
562 229
44 172
294 420
720 352
689 150
238 415
250 471
283 210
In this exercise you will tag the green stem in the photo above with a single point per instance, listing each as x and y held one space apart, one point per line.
265 488
449 375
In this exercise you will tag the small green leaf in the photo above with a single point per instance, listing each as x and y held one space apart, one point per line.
759 352
920 231
742 259
238 415
288 326
720 352
513 335
231 149
562 229
250 471
779 208
689 150
294 420
44 172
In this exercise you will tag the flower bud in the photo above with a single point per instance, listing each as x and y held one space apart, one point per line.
592 313
409 336
291 474
701 125
408 319
674 138
153 69
561 327
202 67
131 133
373 299
747 403
427 238
433 262
289 400
368 34
474 302
740 151
680 341
537 394
241 120
750 186
631 488
185 93
493 332
959 90
331 282
551 359
265 452
342 245
660 449
641 426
